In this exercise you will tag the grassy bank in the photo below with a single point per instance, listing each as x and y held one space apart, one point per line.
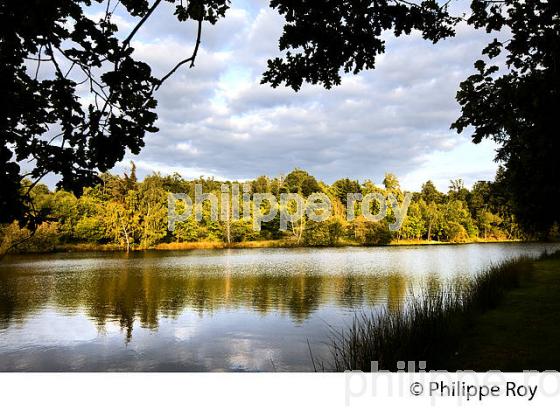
474 326
272 243
410 242
222 245
522 333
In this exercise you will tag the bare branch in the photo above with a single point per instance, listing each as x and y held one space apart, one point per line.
38 62
127 41
191 59
53 59
89 76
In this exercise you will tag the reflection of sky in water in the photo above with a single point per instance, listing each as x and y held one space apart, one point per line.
230 310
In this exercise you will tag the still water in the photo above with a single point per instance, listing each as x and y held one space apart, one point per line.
211 310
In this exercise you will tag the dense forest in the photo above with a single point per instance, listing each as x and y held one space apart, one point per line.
123 212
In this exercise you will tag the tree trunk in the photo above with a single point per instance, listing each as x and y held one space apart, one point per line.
228 227
125 236
430 231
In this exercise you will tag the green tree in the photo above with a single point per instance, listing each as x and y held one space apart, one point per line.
429 193
326 233
514 99
242 231
457 190
479 198
488 224
322 40
432 216
261 184
457 224
152 207
90 229
391 183
299 181
343 187
186 231
414 225
65 40
64 207
370 233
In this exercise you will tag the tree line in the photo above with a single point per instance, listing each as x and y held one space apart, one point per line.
512 96
123 212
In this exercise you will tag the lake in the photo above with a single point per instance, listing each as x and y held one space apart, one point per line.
210 310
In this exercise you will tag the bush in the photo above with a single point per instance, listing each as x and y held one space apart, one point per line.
326 233
16 239
89 229
240 231
371 233
455 232
187 231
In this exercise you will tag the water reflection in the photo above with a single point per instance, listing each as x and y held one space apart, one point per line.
208 310
148 295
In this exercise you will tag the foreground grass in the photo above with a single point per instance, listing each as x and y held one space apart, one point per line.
523 332
506 319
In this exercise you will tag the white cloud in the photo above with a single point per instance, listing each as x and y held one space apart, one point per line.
188 148
466 160
216 119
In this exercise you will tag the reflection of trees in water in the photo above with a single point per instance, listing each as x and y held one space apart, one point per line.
147 294
21 297
396 291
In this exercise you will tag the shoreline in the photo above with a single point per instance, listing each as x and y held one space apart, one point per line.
272 243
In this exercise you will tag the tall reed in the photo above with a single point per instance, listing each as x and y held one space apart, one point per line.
428 327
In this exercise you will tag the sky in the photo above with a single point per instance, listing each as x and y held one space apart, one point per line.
216 119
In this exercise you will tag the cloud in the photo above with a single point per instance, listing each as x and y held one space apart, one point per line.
217 119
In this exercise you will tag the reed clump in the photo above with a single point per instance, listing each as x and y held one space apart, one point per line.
428 327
